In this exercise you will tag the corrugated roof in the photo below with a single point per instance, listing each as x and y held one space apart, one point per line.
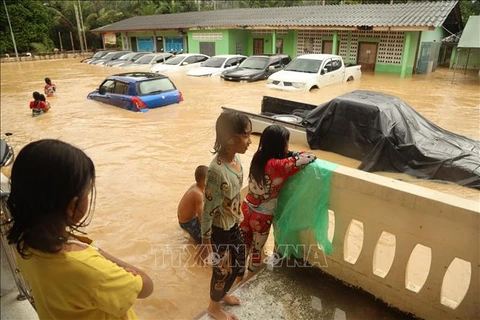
471 35
407 15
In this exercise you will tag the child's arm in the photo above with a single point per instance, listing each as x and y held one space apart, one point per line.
147 287
294 163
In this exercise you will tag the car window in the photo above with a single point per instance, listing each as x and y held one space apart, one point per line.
145 59
155 86
160 59
108 85
275 63
304 65
336 64
286 60
328 66
257 63
214 62
201 58
120 87
175 60
190 60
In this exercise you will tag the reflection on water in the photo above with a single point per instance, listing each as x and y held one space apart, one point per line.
145 161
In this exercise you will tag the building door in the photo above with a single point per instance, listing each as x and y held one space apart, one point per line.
367 55
327 47
279 45
159 44
174 44
145 44
257 46
133 42
207 48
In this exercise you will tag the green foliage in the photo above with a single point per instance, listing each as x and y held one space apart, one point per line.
469 8
30 23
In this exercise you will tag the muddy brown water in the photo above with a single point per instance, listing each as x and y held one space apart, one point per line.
145 161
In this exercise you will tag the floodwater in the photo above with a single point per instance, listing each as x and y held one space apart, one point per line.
145 161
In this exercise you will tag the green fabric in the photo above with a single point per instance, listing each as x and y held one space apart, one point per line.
302 205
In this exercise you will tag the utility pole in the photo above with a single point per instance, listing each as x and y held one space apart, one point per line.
78 27
60 38
83 27
11 32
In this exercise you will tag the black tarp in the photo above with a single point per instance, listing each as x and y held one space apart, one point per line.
386 134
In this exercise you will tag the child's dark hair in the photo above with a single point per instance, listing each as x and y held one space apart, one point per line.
48 81
42 98
36 95
46 176
229 123
272 144
200 173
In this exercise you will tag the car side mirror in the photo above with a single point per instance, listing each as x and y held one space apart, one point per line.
102 90
324 70
184 63
271 68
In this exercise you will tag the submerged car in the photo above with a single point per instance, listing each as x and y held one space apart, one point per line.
216 65
256 68
180 62
137 91
132 56
145 62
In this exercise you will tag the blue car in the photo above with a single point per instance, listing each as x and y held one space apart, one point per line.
137 91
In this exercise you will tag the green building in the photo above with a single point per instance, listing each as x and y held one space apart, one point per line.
401 38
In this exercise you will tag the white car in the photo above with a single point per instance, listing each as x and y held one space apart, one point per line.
313 71
147 61
180 62
216 65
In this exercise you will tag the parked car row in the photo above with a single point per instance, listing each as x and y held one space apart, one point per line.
140 91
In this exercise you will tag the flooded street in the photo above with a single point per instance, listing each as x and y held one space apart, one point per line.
145 161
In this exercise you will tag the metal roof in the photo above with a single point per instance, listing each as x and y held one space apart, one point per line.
471 36
400 16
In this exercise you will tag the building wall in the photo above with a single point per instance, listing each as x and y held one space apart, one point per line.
435 35
414 248
150 34
238 41
473 58
219 37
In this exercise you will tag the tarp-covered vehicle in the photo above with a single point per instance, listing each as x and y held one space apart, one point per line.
383 132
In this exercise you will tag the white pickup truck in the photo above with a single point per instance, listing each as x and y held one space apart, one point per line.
313 71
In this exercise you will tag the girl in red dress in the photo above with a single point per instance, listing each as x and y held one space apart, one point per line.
271 166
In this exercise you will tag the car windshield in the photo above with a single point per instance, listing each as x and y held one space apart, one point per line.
214 62
258 63
155 86
304 65
99 54
127 56
145 59
137 56
175 60
109 55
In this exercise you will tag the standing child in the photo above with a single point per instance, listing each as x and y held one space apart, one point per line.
271 166
52 194
221 213
49 88
38 106
190 208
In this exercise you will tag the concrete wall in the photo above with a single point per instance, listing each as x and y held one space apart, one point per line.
412 247
473 58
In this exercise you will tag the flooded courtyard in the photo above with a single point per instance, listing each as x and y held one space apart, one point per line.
145 161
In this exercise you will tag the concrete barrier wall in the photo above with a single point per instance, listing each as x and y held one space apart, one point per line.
414 248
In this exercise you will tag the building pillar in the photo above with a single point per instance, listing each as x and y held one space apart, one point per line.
274 41
334 44
406 50
125 44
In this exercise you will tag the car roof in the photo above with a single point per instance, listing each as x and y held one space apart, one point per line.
315 56
267 55
191 54
136 76
228 56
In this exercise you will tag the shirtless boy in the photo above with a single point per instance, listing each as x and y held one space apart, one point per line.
190 208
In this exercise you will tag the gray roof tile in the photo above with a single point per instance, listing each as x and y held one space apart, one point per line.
414 14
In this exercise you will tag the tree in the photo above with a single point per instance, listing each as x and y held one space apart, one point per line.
31 24
469 8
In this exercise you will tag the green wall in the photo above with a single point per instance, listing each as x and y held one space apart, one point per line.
435 35
410 47
221 45
237 36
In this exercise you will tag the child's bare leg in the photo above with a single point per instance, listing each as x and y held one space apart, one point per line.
217 312
231 300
